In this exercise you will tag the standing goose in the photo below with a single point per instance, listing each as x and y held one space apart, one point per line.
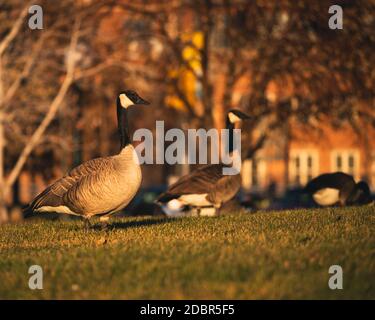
99 186
206 187
338 188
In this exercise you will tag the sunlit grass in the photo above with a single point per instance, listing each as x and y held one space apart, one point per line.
282 254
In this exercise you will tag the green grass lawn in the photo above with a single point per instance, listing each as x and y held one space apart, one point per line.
264 255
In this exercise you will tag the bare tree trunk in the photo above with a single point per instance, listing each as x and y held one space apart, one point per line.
3 210
9 90
7 183
3 46
53 108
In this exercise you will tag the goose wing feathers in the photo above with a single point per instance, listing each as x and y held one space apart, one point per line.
64 191
203 180
225 189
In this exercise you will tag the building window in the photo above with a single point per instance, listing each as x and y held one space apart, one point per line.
297 179
339 163
303 166
351 166
253 174
309 168
346 161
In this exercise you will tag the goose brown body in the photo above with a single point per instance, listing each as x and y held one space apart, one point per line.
99 186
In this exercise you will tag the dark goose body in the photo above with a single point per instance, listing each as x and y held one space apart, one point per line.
338 188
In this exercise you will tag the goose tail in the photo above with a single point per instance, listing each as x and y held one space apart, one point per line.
27 211
164 198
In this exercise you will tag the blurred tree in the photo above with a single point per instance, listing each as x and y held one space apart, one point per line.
37 70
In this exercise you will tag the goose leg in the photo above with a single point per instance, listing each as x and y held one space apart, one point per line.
104 222
195 211
217 209
87 223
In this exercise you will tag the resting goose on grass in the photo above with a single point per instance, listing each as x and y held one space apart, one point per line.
338 188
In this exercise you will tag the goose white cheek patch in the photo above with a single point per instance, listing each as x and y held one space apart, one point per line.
125 101
233 118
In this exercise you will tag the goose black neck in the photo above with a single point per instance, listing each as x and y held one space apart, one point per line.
123 128
230 127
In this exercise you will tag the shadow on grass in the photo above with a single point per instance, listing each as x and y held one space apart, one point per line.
131 224
96 225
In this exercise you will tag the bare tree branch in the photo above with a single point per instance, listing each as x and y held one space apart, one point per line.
54 106
26 70
15 29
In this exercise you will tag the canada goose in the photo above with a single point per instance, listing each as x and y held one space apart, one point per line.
99 186
206 187
338 188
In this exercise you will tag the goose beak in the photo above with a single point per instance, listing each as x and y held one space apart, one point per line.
141 101
244 116
238 115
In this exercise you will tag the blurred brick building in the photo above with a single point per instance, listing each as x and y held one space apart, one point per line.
291 164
